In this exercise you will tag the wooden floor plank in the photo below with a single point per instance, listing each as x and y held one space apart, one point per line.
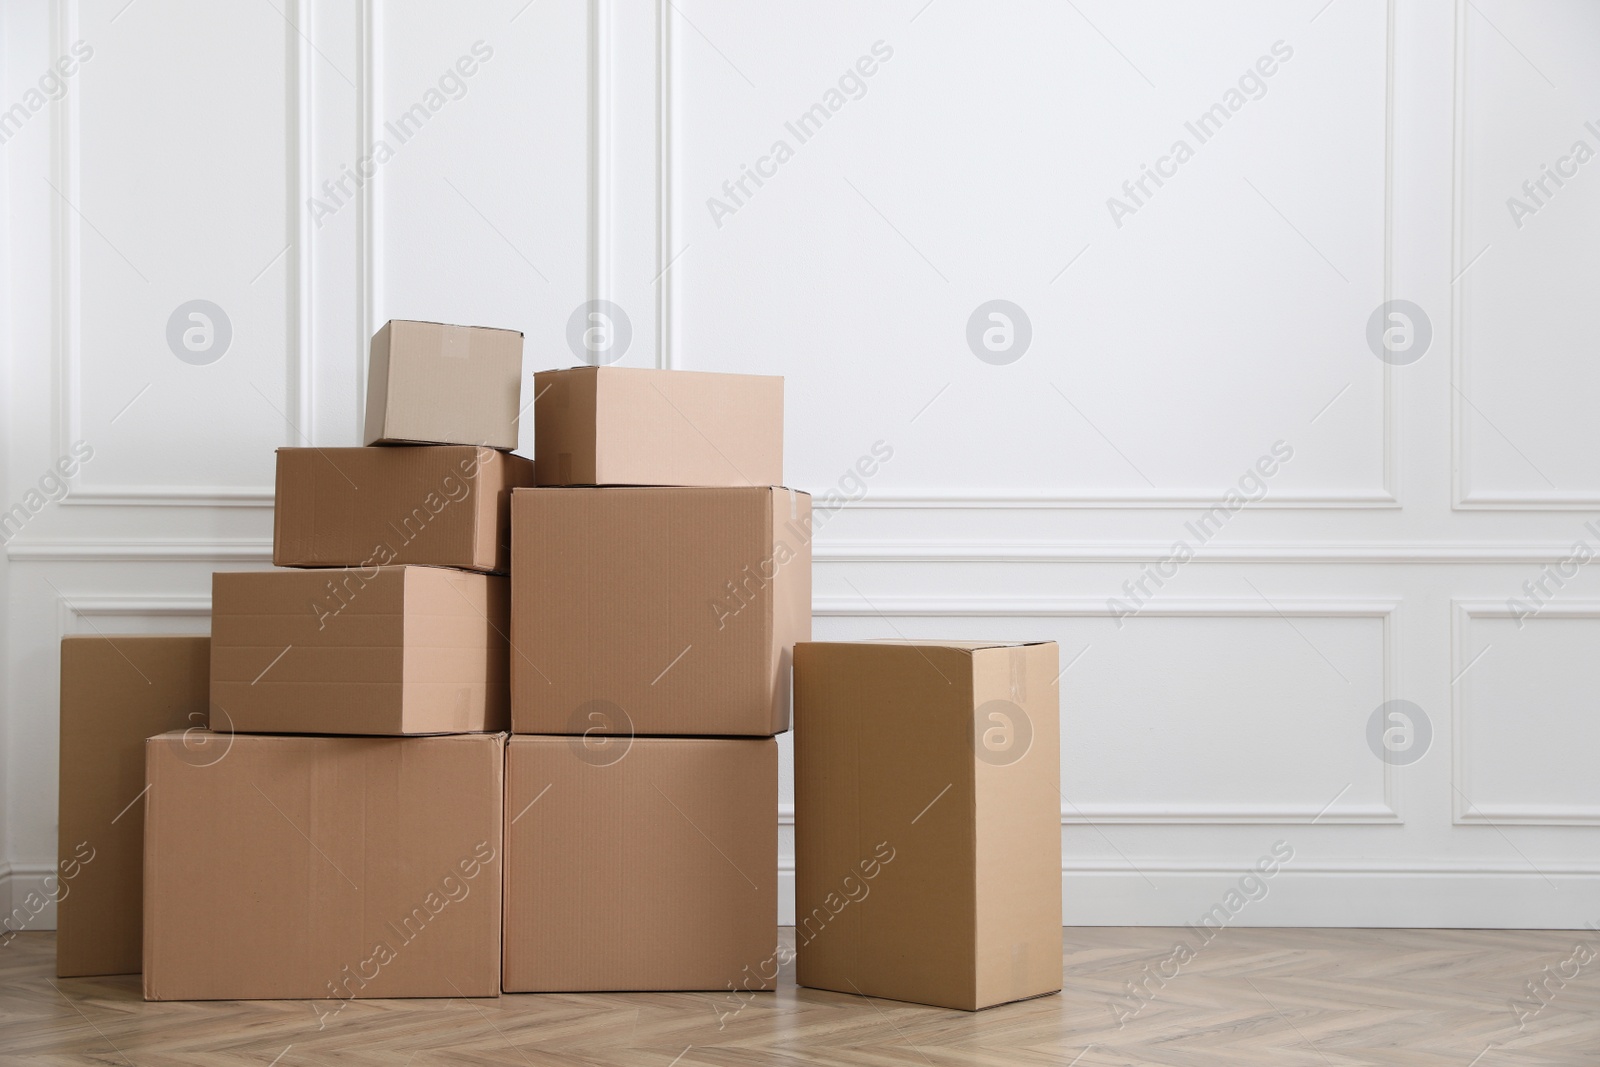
1318 998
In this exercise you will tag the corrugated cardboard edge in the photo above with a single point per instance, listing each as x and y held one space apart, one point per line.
559 397
493 477
146 982
377 386
790 622
1004 798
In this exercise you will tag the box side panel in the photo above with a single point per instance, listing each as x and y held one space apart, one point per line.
791 600
564 427
655 871
454 661
499 473
377 386
1018 775
115 692
432 861
884 852
643 606
313 651
688 428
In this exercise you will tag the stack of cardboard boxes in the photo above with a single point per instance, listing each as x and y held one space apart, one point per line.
337 832
631 605
659 581
353 823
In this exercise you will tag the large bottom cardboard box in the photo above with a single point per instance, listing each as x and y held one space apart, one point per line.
927 821
649 864
359 650
115 691
323 868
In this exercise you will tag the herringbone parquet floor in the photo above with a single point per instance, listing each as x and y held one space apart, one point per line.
1321 998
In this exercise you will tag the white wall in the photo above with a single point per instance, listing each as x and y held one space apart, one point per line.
1226 313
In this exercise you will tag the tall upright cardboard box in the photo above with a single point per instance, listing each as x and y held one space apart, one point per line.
116 691
927 820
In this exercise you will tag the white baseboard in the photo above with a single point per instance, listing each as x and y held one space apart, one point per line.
1460 898
24 899
1464 898
1332 896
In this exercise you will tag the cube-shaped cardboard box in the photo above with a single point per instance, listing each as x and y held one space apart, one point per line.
433 383
639 426
657 611
433 505
116 690
928 820
323 868
379 650
641 863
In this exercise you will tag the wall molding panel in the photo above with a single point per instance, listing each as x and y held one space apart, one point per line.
1091 813
1466 811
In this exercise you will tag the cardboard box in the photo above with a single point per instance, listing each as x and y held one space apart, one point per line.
928 821
635 426
323 868
648 863
379 650
431 383
657 611
441 505
116 690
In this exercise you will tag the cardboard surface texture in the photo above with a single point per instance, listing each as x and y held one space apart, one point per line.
927 821
639 426
432 383
642 864
323 868
116 690
657 611
444 506
380 650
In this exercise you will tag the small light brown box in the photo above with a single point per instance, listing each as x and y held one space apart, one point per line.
116 690
323 868
657 611
380 650
434 505
432 383
648 863
638 426
928 821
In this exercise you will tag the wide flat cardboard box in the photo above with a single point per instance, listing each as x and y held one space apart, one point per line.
432 383
649 863
657 611
928 821
435 505
637 426
325 868
377 650
116 690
